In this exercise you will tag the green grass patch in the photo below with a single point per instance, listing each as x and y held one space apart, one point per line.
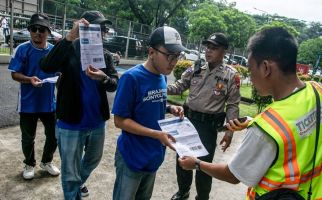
244 109
246 91
5 50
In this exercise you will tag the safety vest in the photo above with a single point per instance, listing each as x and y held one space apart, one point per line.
291 123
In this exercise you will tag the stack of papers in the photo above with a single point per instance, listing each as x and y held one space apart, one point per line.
188 142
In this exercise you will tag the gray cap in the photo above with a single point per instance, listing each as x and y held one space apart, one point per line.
167 37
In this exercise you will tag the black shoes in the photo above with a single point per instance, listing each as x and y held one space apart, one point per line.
180 196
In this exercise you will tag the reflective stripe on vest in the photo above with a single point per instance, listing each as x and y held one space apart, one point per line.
291 168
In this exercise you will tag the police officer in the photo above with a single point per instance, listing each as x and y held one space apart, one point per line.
212 88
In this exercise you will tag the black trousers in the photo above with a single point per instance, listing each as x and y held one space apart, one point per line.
28 126
208 137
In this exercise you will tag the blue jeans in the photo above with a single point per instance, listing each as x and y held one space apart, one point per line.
80 153
130 185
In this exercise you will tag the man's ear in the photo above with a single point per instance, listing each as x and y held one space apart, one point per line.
267 68
150 51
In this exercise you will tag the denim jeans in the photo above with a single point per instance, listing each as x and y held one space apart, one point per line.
80 153
28 126
130 185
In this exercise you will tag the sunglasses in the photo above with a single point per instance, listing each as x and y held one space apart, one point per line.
40 29
170 56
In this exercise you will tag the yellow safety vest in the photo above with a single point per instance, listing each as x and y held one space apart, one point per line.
291 123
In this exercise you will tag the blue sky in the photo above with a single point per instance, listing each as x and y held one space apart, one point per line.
308 10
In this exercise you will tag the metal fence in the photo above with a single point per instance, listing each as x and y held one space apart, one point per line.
62 16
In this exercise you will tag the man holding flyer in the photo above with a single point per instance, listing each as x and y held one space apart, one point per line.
82 106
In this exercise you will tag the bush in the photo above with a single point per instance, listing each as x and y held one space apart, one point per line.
181 66
261 101
304 77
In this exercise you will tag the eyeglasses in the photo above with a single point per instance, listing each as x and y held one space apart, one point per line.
40 29
170 56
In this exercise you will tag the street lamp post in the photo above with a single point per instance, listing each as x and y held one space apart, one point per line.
264 13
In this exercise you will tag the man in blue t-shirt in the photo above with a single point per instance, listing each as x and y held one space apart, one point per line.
139 103
82 106
36 100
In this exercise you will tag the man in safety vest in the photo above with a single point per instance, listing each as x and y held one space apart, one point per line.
278 148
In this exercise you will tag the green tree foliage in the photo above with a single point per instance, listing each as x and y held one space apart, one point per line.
309 50
205 20
289 28
240 27
152 12
313 31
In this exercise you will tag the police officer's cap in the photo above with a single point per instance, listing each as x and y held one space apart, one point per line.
217 39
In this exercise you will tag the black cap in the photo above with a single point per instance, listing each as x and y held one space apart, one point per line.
167 37
217 39
95 17
40 19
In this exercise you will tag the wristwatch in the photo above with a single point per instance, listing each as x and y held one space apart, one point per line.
105 79
197 164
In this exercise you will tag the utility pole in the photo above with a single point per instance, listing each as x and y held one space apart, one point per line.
11 25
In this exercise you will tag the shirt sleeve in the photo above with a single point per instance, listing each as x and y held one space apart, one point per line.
254 157
181 85
233 99
124 100
17 61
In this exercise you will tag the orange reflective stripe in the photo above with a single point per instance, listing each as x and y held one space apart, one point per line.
291 168
271 185
307 176
317 86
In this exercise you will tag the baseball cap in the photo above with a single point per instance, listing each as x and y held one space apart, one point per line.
217 39
167 37
95 17
39 19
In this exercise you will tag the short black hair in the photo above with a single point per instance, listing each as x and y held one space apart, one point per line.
275 44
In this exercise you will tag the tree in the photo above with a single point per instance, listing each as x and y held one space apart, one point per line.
308 51
240 27
153 12
289 28
204 21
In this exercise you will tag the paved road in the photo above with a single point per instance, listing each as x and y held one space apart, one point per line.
8 98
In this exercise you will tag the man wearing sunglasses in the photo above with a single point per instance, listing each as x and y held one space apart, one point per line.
82 107
139 103
213 89
36 100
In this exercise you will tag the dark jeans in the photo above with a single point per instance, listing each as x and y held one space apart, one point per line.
28 125
208 137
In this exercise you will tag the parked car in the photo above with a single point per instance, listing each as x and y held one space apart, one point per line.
118 43
229 61
240 60
24 35
193 55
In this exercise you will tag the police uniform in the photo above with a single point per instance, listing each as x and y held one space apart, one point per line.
210 91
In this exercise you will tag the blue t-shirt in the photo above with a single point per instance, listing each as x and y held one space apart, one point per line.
32 99
141 96
91 105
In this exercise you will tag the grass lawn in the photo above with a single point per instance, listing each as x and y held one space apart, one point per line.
4 50
245 109
246 91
